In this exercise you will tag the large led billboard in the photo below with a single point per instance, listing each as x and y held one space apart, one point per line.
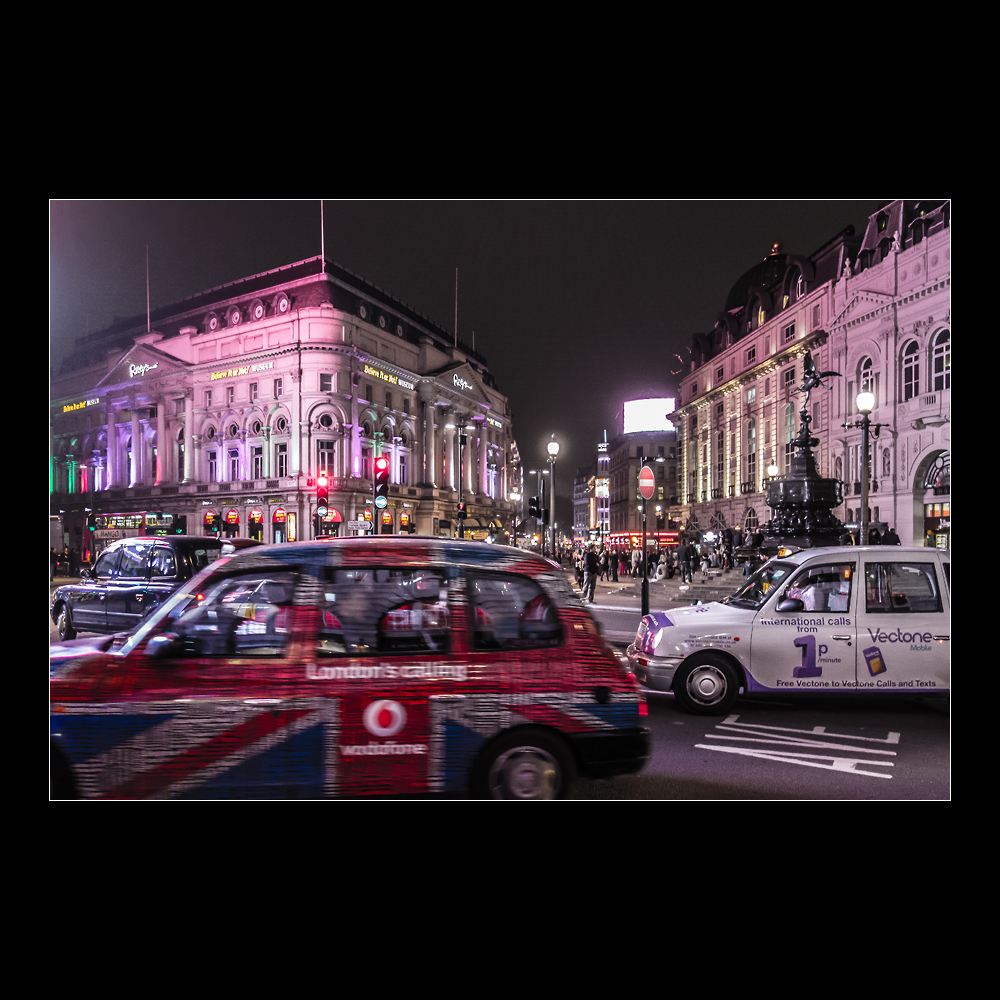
648 415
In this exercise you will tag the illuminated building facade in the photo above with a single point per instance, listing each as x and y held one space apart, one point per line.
226 411
591 498
647 432
877 309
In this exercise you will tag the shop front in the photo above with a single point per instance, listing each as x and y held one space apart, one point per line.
329 525
231 522
937 525
255 524
279 526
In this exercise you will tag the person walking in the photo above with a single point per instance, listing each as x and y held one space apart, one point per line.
603 563
614 565
590 571
687 560
891 538
636 560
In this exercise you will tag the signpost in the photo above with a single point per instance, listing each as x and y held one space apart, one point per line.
359 525
647 485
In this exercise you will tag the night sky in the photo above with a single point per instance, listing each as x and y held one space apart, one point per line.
576 305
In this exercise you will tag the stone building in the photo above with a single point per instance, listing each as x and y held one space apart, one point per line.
219 414
877 309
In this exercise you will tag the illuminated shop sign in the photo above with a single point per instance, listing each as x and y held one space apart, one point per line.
245 370
386 377
461 383
69 407
135 371
494 422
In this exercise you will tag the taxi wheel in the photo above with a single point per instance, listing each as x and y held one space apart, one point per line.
527 764
706 685
64 624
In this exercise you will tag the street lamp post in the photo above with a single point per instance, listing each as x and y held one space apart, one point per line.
515 496
553 450
866 403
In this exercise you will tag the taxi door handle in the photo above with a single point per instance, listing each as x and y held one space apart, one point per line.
940 636
847 637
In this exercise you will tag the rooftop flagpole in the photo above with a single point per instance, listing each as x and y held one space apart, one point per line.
456 307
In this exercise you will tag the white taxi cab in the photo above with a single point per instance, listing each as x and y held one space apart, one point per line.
840 619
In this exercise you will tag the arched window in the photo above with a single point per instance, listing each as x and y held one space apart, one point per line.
911 370
941 361
866 377
750 522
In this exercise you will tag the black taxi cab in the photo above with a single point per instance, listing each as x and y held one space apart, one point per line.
352 667
131 577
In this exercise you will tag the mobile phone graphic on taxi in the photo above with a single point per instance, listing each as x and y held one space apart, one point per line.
873 657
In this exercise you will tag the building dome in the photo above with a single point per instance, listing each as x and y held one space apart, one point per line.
759 278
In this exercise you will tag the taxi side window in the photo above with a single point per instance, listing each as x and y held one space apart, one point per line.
901 587
241 616
162 563
133 564
823 588
511 612
105 567
373 610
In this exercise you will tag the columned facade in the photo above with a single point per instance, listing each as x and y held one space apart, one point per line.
227 411
875 308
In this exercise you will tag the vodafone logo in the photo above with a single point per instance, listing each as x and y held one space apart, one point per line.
384 718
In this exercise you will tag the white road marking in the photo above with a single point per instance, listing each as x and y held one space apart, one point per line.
751 732
816 730
837 763
792 742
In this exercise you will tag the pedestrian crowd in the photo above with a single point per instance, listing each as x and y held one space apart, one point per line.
64 563
592 563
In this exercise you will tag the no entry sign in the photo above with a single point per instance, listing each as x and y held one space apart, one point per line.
646 485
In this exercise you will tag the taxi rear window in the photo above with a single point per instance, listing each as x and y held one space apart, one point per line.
901 587
376 610
511 612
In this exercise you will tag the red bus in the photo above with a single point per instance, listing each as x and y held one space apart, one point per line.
109 527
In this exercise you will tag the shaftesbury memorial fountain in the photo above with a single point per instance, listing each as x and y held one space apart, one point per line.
801 501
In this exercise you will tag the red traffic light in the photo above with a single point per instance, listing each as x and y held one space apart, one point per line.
382 465
322 480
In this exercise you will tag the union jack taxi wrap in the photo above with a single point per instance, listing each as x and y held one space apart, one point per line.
352 667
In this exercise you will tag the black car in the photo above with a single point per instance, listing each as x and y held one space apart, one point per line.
131 577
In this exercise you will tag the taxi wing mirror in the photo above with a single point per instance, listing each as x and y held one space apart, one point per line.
791 604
